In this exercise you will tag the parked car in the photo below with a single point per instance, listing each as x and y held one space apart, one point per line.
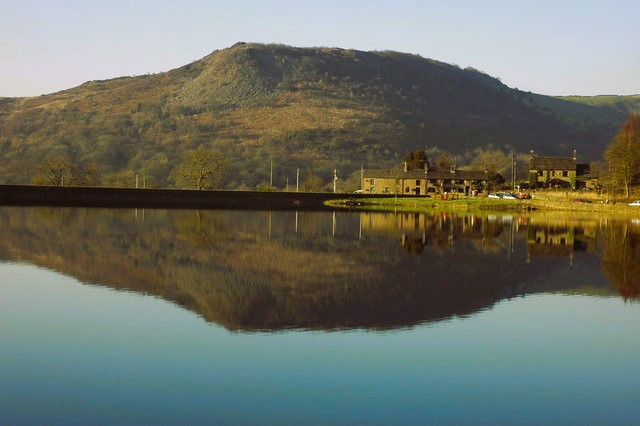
635 203
503 195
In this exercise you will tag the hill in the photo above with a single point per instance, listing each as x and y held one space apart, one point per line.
312 109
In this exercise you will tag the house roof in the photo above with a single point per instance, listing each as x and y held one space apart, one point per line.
553 163
431 174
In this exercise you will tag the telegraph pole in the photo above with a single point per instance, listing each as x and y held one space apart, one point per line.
513 170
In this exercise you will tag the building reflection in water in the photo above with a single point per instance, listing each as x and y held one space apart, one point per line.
440 230
561 237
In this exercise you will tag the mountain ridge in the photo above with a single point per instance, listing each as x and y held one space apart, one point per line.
314 109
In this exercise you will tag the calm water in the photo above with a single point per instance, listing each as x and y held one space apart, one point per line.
185 317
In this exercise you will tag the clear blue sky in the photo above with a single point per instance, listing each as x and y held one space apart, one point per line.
554 47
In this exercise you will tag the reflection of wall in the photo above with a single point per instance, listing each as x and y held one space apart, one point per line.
561 238
439 229
550 241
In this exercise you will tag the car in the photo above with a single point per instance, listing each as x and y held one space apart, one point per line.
503 196
635 203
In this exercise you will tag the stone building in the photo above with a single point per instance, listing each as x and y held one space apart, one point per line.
423 181
561 172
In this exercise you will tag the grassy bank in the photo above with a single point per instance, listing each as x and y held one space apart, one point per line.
541 202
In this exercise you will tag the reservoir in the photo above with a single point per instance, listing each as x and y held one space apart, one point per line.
125 316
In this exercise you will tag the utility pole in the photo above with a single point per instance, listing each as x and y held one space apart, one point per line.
513 170
271 175
335 179
297 180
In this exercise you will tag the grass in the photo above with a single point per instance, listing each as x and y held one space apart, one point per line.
541 202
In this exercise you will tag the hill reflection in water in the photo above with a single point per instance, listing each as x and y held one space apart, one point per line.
276 270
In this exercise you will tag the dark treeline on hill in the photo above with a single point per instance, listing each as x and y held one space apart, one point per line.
307 109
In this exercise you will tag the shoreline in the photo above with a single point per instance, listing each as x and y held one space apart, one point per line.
538 204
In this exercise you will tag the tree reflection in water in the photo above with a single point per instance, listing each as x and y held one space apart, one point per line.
269 271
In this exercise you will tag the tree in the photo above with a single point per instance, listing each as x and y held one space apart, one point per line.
533 179
495 179
201 169
444 161
494 159
416 160
60 171
55 171
623 154
312 183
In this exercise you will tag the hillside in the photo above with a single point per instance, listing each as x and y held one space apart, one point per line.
309 109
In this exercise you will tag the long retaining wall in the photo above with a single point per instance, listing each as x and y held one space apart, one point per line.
28 195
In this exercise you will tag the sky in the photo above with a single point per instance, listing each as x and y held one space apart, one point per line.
552 47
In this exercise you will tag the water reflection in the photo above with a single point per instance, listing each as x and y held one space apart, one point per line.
276 270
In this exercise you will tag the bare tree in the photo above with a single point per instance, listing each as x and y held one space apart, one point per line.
623 154
312 183
60 171
201 169
55 171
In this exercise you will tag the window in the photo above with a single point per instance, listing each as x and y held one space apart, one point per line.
406 190
373 181
540 172
387 190
372 190
565 173
417 182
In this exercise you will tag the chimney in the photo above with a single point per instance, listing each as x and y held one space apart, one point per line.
531 159
453 168
426 168
405 166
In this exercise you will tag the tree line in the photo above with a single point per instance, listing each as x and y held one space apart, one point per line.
207 168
